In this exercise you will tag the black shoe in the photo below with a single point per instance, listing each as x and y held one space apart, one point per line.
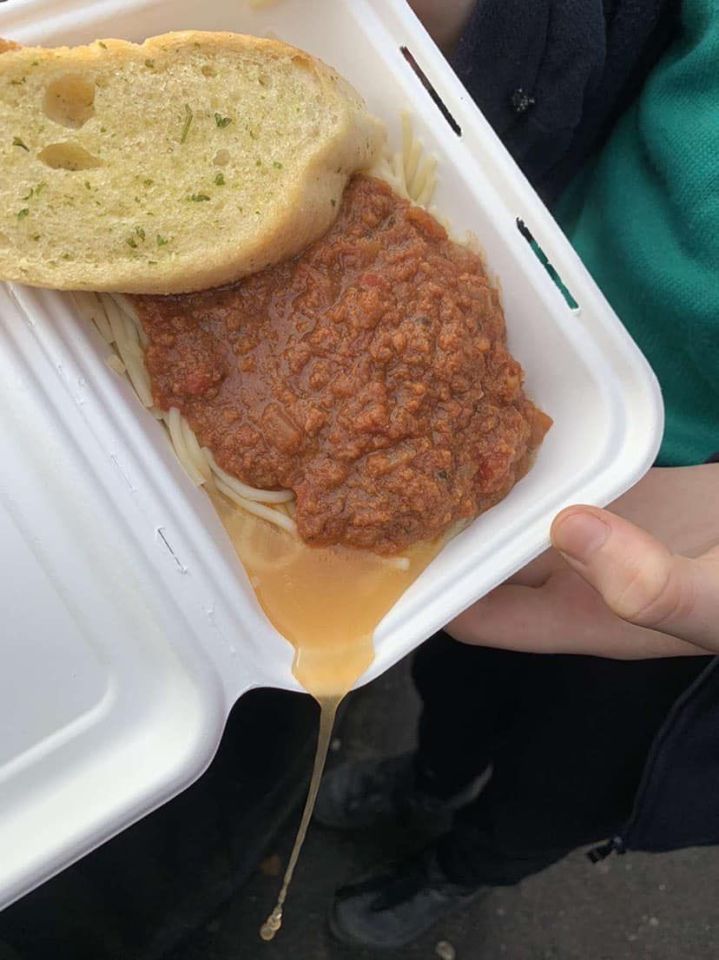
354 796
394 908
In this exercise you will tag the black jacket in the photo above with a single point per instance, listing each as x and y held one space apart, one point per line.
552 76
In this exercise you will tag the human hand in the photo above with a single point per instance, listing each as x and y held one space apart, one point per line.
443 19
639 581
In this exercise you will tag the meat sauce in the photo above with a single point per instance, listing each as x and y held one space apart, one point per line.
370 374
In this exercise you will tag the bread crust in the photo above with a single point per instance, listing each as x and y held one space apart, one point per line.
310 191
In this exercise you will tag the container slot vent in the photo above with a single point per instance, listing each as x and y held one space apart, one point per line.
544 260
427 84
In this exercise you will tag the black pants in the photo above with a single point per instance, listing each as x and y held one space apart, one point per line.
566 738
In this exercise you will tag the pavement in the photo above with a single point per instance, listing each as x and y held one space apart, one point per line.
195 880
635 907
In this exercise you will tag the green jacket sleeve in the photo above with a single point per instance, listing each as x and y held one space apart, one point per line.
645 219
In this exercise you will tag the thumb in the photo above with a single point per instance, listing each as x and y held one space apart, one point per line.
639 578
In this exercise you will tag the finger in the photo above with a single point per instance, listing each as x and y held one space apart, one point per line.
639 578
512 617
558 618
536 573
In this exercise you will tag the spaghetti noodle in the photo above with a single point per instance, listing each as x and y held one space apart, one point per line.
410 172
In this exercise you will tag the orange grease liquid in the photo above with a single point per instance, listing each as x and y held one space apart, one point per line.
327 602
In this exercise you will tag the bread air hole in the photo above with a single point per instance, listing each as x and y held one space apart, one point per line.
70 100
209 71
221 158
68 156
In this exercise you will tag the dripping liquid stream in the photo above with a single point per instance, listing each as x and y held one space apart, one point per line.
327 602
328 712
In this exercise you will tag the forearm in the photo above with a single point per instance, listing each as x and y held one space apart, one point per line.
677 505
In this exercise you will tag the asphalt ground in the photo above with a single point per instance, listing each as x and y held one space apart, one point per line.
635 907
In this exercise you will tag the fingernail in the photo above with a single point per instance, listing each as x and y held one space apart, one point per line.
580 535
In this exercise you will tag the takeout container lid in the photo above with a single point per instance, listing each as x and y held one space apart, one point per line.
129 628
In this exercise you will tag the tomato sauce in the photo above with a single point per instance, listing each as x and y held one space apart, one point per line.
370 374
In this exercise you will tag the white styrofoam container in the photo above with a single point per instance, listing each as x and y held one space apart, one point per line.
128 626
